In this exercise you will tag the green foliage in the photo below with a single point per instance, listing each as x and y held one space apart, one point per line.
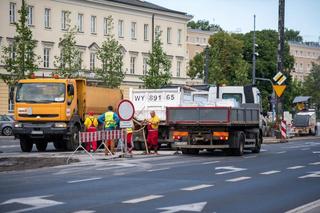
196 66
204 25
68 64
111 56
312 85
158 74
19 58
292 35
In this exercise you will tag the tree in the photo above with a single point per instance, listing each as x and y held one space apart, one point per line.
68 64
19 58
111 56
312 85
158 74
292 35
204 25
196 66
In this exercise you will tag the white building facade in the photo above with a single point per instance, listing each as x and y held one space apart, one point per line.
133 21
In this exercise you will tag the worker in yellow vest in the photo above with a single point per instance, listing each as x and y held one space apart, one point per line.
111 122
91 124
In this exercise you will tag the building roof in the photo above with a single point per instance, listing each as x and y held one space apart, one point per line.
145 4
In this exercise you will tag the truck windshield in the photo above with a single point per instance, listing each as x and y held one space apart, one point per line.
40 92
235 96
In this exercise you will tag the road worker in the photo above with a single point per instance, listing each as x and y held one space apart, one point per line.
91 124
129 140
153 125
111 121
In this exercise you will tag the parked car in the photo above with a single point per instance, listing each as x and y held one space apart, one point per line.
6 125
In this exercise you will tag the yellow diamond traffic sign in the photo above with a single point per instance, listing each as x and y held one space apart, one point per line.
279 89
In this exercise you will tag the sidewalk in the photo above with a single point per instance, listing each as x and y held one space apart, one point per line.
272 140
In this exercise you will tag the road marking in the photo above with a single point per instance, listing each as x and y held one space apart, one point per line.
161 169
84 180
270 172
263 150
193 188
314 163
142 199
192 207
8 146
85 211
230 168
295 167
316 152
210 162
305 149
253 156
37 202
282 152
238 179
305 208
312 175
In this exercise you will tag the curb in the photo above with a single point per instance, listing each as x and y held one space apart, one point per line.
275 141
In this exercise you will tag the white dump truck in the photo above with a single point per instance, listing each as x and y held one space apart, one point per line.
305 123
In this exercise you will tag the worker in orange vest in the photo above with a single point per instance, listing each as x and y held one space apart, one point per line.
91 124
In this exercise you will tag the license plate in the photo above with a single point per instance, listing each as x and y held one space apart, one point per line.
37 132
181 143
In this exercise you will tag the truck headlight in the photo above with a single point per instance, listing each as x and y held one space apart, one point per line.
18 125
60 125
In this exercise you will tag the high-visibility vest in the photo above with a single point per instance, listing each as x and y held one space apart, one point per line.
129 130
109 121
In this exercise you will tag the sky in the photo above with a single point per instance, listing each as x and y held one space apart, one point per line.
237 15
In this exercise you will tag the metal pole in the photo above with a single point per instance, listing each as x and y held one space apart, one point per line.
152 37
254 52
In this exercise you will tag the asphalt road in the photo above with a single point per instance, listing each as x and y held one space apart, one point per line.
281 178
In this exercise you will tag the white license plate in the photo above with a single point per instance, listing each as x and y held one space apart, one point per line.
181 143
37 132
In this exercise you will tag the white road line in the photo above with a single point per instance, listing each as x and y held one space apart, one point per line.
192 188
263 150
161 169
84 180
314 163
210 162
316 152
238 179
305 149
282 152
305 208
270 172
253 156
85 211
295 167
9 146
142 199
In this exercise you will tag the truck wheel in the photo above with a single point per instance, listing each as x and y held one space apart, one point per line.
73 141
257 147
26 145
60 145
239 151
41 145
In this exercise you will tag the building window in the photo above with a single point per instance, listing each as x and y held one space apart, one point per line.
92 61
179 36
132 64
145 66
12 12
12 48
30 15
47 18
120 28
169 35
80 22
178 68
133 30
157 31
105 26
46 57
146 32
94 24
64 17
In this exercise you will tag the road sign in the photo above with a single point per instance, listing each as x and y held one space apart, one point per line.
279 89
126 124
279 78
125 110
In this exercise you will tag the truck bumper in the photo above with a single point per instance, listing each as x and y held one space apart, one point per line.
43 130
186 146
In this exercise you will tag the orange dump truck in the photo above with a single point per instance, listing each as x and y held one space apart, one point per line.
53 110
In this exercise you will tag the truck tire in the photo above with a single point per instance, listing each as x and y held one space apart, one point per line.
257 147
60 145
26 145
239 151
73 141
41 146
